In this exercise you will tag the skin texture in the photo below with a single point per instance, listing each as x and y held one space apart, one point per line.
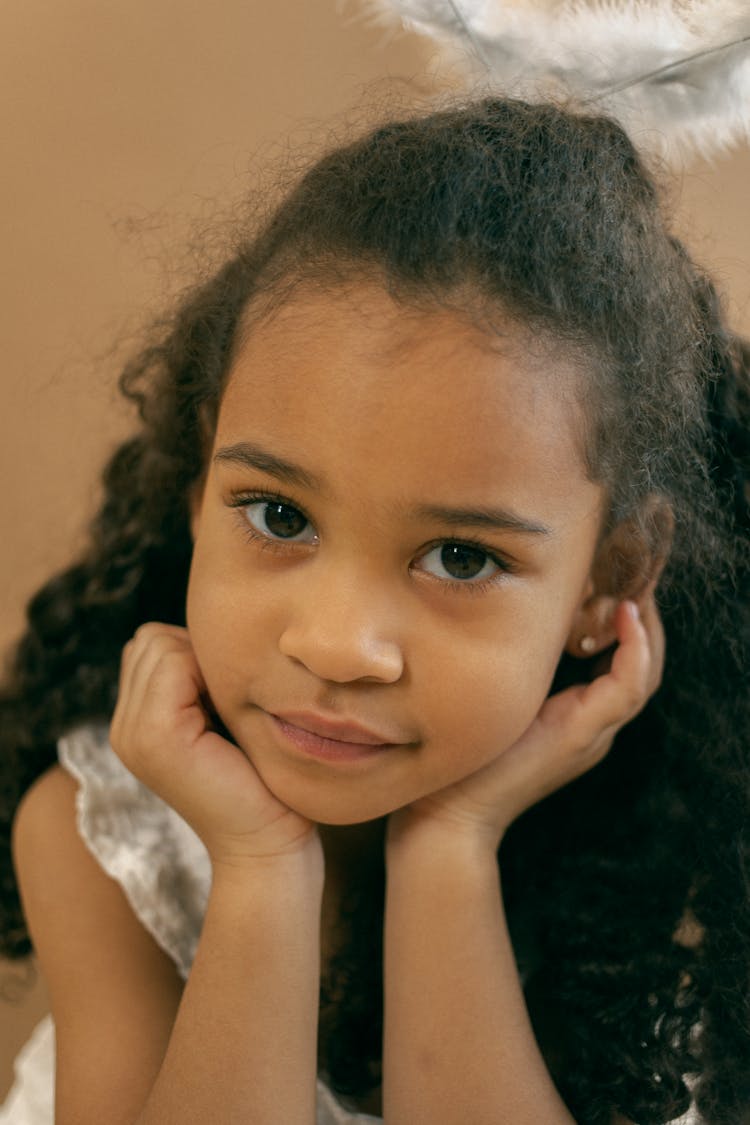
356 619
361 622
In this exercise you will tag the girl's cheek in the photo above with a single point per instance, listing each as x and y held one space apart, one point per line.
234 623
491 693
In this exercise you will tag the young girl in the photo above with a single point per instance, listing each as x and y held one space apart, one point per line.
361 696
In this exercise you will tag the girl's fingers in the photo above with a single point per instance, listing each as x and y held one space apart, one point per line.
165 676
612 699
638 661
158 656
650 644
148 646
632 659
655 630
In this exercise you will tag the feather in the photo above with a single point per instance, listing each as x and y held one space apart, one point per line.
676 73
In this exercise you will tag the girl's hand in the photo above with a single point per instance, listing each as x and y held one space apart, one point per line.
572 733
162 731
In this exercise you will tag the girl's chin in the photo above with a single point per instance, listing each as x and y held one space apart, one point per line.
328 804
333 813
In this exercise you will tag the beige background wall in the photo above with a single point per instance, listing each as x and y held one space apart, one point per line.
121 124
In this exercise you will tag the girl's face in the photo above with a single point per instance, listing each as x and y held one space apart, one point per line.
394 540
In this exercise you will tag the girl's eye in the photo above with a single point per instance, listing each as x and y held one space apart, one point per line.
460 562
277 520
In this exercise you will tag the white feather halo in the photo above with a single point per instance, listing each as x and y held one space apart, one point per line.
676 73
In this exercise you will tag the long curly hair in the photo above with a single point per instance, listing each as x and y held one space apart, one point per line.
627 892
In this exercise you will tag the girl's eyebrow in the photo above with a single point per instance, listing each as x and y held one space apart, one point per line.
502 519
252 456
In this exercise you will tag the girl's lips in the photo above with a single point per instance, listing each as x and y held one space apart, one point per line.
335 729
359 744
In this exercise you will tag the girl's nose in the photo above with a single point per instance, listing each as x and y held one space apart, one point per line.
342 634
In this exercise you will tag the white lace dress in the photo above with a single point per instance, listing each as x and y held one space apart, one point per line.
165 873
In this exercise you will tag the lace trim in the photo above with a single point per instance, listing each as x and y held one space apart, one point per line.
140 842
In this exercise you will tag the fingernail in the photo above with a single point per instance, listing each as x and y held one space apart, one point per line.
632 608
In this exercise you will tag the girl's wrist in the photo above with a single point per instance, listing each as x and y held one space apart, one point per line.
302 868
419 838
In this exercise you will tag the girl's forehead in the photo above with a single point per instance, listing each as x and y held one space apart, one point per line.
362 382
360 331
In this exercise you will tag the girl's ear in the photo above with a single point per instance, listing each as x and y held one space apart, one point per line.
628 564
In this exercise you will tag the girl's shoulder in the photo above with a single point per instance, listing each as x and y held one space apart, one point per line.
132 836
71 902
45 842
73 908
42 820
107 978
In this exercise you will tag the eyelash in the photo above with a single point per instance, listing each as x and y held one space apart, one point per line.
240 501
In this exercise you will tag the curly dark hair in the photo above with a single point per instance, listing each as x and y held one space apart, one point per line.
628 891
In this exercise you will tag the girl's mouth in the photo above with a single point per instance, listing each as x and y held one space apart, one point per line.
330 741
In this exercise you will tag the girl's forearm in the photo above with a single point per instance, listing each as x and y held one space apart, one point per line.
458 1044
244 1043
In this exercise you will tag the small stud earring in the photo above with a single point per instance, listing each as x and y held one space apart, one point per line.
588 644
